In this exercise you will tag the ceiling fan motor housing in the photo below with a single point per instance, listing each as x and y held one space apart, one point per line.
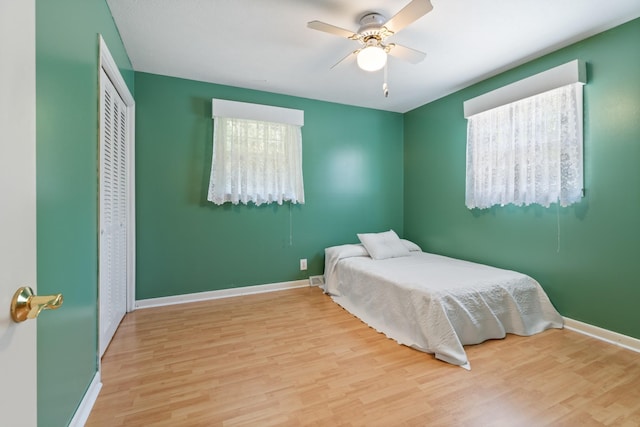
371 25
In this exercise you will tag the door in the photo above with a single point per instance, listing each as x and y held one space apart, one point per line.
114 208
18 357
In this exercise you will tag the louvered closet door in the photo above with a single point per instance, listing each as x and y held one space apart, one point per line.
113 211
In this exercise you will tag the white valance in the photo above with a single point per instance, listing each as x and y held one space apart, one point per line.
563 75
258 112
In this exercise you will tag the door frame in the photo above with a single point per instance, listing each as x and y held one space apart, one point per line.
110 68
108 64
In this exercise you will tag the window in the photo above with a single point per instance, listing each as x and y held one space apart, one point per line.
257 154
527 151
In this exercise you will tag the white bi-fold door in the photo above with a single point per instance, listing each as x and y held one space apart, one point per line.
114 210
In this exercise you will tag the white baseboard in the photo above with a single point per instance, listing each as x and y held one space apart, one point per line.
603 334
90 396
223 293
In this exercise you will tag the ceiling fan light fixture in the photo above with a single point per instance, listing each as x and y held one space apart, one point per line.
372 58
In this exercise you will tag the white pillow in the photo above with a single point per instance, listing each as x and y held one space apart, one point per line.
345 251
411 246
383 245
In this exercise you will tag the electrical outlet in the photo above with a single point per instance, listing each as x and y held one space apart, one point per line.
303 264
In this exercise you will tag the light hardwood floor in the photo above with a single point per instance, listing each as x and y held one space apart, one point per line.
294 358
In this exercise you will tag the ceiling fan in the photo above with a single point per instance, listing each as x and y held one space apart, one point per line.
374 30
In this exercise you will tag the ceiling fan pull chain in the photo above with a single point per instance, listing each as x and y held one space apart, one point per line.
385 86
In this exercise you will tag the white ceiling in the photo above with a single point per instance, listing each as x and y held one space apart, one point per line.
266 45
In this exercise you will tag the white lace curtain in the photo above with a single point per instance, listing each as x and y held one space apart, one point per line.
529 151
255 161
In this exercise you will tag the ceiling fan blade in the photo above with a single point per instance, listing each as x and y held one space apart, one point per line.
332 29
410 13
348 55
406 53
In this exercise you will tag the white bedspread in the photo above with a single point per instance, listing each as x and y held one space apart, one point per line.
434 303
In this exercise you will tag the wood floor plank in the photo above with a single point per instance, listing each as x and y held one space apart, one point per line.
294 358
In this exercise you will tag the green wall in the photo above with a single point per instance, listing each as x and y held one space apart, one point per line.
352 161
67 193
586 255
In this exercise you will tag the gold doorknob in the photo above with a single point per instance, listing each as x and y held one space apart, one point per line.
25 305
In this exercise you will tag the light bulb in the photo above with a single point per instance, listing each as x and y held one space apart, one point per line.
372 58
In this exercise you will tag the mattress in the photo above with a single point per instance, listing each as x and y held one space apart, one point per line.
434 303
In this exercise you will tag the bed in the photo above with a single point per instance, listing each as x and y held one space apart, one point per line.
433 303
